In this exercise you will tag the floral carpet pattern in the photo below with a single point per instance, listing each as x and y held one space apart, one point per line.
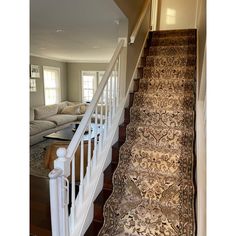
153 185
37 152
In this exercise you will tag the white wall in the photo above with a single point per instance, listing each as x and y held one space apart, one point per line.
176 14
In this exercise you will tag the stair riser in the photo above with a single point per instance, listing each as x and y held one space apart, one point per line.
172 51
122 133
174 33
161 62
136 85
160 86
169 73
140 72
115 155
173 42
127 116
162 138
177 103
161 119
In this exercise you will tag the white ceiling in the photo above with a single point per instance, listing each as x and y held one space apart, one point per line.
88 29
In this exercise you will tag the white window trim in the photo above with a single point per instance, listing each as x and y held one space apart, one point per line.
59 75
96 82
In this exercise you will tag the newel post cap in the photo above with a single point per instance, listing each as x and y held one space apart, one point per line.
62 162
61 152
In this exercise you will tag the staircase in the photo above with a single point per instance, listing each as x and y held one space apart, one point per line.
153 187
152 190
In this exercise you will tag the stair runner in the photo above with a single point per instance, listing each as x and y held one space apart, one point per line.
153 185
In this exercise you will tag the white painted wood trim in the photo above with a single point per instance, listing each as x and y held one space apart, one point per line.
154 11
139 22
73 146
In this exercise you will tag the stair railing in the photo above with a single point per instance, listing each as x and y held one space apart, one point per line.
99 115
139 22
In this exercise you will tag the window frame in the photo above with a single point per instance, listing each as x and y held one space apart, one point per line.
57 89
96 81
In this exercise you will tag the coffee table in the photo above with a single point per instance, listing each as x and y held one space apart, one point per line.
67 133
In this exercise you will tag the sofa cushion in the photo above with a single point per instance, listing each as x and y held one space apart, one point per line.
38 126
83 107
31 114
45 111
61 106
61 119
73 110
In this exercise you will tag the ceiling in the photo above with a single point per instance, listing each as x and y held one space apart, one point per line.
74 30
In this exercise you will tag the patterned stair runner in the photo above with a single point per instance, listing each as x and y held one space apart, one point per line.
153 185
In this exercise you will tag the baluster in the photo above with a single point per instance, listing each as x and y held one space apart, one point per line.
101 126
111 79
89 154
106 110
114 91
95 138
81 187
73 193
117 83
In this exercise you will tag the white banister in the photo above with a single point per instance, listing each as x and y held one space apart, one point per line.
139 22
105 100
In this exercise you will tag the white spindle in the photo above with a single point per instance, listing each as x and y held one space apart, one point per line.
106 110
81 187
72 210
118 81
89 154
101 126
95 138
114 91
110 101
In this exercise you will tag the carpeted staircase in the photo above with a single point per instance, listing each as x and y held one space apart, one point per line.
153 185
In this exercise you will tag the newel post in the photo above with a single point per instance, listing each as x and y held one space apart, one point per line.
59 194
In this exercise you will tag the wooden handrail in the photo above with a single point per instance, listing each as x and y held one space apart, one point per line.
139 22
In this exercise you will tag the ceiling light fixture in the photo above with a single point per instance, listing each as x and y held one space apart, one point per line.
59 30
117 22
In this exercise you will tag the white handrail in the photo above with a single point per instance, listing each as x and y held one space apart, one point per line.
84 122
139 22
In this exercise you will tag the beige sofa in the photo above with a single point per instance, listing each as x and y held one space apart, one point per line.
48 119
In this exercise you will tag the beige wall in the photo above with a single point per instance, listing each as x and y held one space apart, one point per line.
201 117
37 98
182 13
74 77
132 10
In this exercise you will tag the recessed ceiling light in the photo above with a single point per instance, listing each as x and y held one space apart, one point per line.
117 22
59 30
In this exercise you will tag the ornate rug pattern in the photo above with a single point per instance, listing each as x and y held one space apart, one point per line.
37 152
153 187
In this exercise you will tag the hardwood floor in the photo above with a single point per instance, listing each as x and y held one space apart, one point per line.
40 221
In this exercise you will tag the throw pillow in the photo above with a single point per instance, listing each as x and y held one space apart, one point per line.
72 110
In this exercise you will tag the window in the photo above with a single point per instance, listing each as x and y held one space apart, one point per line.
52 87
90 82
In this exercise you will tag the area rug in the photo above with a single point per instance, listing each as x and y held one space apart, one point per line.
37 152
153 185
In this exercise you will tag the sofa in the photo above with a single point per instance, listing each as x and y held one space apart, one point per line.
45 120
